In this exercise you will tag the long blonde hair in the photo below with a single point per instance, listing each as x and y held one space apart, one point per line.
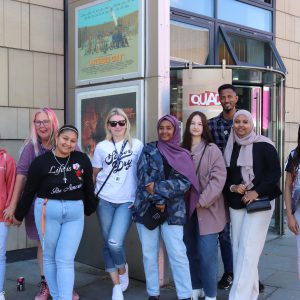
116 111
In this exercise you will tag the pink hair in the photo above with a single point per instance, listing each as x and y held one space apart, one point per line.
33 138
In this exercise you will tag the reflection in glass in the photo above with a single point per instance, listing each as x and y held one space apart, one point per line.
250 76
189 43
224 53
254 52
202 7
245 14
176 93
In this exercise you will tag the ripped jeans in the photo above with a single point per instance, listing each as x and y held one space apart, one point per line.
115 220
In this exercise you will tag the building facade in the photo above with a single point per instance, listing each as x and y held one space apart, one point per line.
255 42
287 39
31 73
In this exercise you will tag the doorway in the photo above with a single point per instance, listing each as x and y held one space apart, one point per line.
260 91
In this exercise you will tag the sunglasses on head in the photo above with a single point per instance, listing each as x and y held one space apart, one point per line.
115 123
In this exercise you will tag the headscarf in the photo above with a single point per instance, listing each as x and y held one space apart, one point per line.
245 158
179 159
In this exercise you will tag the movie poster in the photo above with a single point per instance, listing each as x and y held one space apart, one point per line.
108 40
93 106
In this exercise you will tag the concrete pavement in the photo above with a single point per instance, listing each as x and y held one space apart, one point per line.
277 271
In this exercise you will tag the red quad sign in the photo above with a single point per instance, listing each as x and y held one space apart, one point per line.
205 99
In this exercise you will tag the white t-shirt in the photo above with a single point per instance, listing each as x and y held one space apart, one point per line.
121 185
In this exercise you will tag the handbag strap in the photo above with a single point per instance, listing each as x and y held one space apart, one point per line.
108 176
102 186
200 160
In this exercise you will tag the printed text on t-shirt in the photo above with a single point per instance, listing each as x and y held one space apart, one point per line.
111 159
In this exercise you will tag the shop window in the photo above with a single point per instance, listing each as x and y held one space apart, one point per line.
247 50
202 7
245 14
189 43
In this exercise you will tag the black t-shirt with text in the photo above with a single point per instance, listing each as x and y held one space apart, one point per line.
47 179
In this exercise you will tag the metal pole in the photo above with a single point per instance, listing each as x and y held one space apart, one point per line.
281 153
66 56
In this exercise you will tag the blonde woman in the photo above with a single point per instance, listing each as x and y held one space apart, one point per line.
114 169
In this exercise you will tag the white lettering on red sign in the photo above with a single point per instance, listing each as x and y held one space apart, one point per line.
205 99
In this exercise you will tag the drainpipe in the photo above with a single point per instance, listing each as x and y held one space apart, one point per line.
66 61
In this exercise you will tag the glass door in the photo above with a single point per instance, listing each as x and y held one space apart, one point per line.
250 99
257 100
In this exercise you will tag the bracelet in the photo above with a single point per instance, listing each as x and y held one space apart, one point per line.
231 188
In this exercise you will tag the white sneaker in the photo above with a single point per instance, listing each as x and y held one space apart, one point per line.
117 293
198 293
124 279
2 296
202 293
210 298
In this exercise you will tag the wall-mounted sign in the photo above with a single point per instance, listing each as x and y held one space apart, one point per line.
204 99
92 106
109 41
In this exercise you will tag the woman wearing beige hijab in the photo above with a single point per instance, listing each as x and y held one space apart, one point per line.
253 171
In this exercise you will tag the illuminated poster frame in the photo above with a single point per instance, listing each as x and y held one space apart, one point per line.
109 41
92 106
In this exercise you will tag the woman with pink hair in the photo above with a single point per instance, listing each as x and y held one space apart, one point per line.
41 139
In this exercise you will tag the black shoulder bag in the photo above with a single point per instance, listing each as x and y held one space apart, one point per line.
257 205
154 217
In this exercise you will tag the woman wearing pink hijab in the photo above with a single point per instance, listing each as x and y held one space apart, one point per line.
253 171
165 172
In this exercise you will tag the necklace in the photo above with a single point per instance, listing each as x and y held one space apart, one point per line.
63 166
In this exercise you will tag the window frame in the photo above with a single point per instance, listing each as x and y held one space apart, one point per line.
214 25
260 4
180 16
224 30
190 13
251 29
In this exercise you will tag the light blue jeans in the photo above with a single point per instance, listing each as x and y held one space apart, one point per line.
172 236
3 240
64 221
115 220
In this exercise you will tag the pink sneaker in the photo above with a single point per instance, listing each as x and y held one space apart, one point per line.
44 292
75 296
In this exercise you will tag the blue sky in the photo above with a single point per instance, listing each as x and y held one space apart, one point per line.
101 12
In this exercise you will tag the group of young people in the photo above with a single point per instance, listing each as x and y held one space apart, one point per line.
220 163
